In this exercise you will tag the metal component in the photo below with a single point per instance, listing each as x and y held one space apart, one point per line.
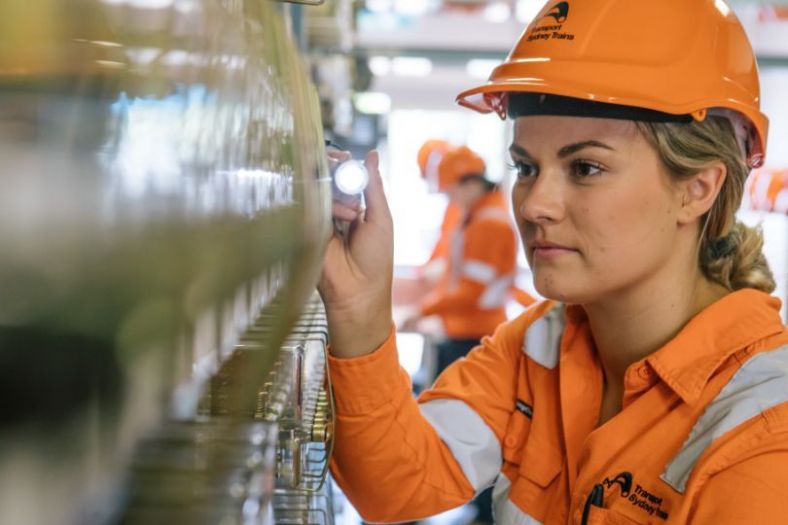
207 471
162 188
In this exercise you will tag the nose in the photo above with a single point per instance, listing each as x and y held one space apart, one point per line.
542 201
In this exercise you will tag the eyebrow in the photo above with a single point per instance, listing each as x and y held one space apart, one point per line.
564 151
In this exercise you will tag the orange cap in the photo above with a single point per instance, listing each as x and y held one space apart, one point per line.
456 164
430 154
678 57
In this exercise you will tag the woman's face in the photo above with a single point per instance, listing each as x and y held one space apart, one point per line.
596 210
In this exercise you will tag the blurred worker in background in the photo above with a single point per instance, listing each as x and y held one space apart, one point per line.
652 386
481 263
481 258
429 157
435 273
409 290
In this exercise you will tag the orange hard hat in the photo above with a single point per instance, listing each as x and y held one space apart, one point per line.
457 164
670 58
430 154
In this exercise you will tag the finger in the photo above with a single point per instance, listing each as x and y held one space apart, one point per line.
337 157
340 154
377 210
350 201
343 212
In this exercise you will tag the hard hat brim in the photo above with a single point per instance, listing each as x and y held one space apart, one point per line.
491 97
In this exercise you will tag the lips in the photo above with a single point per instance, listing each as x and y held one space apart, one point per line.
546 245
546 251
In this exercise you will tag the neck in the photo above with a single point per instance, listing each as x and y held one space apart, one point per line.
639 321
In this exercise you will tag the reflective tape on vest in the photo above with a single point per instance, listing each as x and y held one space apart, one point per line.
471 441
760 384
542 341
505 511
479 272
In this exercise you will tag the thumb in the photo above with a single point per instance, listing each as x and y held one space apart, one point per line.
377 207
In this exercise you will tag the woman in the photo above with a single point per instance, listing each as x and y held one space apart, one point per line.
658 392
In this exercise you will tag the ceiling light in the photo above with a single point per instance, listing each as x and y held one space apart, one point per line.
481 67
372 103
497 12
380 66
411 66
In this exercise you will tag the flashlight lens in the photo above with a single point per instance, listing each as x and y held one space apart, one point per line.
351 177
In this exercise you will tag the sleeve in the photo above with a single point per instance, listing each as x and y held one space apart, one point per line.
489 257
398 459
752 491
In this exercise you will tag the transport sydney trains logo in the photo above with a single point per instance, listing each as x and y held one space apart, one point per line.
559 12
549 25
637 495
623 480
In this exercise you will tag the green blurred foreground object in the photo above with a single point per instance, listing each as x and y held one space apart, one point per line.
162 184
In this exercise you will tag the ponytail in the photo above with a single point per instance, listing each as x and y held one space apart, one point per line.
730 253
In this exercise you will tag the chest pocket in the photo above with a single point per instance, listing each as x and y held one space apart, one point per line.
541 463
601 516
533 460
533 441
516 433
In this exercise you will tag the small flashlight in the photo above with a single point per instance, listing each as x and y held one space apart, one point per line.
351 177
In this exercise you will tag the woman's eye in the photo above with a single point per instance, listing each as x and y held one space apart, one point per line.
582 168
523 169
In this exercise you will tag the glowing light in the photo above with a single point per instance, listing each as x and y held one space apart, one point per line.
351 177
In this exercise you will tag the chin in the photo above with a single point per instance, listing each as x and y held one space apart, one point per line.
562 290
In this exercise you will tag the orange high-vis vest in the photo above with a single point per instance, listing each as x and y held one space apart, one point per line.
702 437
481 269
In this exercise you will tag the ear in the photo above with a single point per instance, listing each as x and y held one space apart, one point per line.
699 192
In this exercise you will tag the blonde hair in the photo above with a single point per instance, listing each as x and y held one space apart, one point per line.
730 253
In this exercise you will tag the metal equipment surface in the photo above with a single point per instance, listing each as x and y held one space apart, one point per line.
162 186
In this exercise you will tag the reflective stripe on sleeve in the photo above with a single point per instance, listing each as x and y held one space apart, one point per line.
478 271
760 384
542 341
505 511
471 441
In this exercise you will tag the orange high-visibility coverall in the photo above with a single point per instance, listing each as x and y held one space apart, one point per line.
481 269
435 267
702 437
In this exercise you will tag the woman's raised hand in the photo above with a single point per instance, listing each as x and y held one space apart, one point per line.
355 282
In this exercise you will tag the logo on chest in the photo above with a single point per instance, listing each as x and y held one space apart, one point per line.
637 495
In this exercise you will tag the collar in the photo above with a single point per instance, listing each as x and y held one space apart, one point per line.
741 318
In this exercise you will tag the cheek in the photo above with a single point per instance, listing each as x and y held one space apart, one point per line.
623 227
